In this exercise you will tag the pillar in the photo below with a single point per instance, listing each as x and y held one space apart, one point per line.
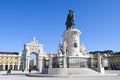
109 67
18 67
8 66
100 67
86 64
3 66
50 62
19 60
65 61
40 63
91 61
13 66
24 64
27 63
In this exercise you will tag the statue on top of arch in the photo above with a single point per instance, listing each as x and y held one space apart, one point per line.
34 41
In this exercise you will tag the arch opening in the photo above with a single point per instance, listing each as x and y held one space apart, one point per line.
33 61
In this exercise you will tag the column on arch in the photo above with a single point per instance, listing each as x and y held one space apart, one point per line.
40 63
27 63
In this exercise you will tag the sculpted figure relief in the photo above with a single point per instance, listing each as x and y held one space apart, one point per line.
62 48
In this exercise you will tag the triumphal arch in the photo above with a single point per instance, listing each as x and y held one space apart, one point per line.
33 47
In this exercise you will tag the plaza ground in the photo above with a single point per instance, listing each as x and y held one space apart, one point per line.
19 75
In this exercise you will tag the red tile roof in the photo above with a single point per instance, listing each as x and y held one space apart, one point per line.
49 54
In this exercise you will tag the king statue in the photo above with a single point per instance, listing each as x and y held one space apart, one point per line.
70 20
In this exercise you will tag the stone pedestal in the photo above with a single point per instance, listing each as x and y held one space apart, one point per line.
71 36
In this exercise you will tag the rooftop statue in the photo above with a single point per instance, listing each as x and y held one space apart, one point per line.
70 20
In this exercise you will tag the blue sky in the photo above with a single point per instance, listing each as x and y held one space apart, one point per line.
21 20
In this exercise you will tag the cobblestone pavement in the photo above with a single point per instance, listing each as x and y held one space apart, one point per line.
18 75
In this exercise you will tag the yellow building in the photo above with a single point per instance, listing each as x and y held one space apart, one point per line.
9 60
114 62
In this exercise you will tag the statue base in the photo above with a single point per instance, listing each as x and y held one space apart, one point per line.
71 36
